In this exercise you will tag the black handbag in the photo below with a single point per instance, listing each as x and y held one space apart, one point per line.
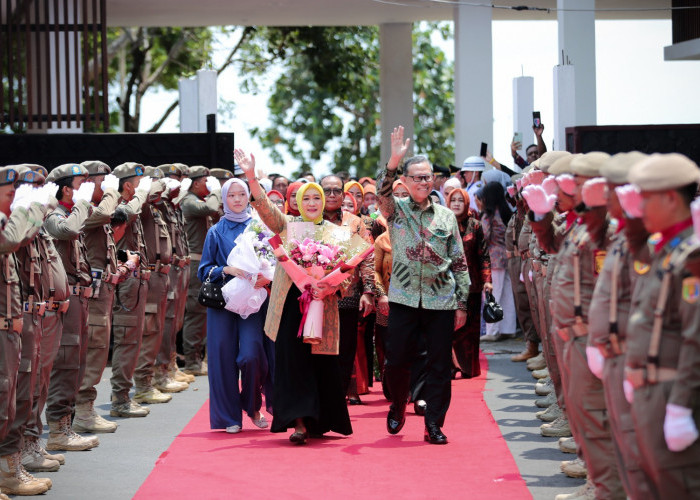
493 312
210 294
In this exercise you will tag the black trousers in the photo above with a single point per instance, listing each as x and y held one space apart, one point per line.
409 330
348 319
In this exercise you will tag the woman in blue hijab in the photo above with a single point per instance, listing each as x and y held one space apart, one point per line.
234 344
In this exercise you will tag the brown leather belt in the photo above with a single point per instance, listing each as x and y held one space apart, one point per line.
105 277
159 268
610 351
577 330
525 254
510 255
59 306
638 376
37 308
14 324
81 291
143 275
181 261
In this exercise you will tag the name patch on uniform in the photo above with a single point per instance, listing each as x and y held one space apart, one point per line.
598 260
640 267
691 290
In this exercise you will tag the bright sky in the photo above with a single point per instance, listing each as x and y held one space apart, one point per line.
634 84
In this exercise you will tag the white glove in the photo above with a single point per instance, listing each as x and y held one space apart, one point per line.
550 185
628 389
536 177
186 183
522 280
595 192
45 192
538 200
679 427
529 275
630 200
171 184
511 190
23 197
213 184
695 210
84 192
110 182
595 361
567 183
145 184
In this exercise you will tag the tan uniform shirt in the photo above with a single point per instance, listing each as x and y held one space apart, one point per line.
198 218
99 237
133 236
67 229
156 236
176 227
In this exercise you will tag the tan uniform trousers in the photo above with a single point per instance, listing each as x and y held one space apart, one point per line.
522 302
127 330
675 475
26 383
172 319
589 422
181 297
548 339
531 294
69 366
539 279
9 366
637 484
51 331
194 329
152 329
99 331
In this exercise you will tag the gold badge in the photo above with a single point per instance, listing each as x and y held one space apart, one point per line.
640 267
691 290
598 260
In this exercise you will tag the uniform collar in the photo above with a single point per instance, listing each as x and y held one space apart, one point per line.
67 206
670 234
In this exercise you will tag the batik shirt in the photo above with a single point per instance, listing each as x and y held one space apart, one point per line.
429 269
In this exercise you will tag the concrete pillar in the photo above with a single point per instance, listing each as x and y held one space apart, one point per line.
564 103
189 122
473 81
523 106
577 43
396 83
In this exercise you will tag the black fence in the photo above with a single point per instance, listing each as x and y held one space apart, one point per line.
613 139
50 150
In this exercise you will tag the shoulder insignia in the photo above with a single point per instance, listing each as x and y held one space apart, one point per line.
641 267
691 289
654 239
598 260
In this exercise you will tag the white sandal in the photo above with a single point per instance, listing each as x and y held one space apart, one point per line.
261 423
234 429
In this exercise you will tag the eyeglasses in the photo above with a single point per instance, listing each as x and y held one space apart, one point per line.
332 191
421 178
278 202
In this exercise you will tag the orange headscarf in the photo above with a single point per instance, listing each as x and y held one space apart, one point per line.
465 195
290 189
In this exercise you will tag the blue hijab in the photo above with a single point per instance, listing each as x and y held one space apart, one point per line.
229 214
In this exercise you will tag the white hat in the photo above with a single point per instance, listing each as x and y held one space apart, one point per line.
473 164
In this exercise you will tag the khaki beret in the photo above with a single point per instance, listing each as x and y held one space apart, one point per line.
547 160
662 172
128 169
616 169
170 169
588 164
153 172
96 167
38 168
184 169
221 173
563 165
8 175
197 171
66 171
27 175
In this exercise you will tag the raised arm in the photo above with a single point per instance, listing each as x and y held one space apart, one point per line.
387 176
268 212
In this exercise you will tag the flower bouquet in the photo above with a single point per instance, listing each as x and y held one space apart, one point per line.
312 254
253 255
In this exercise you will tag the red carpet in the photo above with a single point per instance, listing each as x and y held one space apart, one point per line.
476 462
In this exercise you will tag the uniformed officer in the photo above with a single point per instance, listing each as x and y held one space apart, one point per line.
662 353
106 273
17 228
65 224
159 253
608 322
167 371
130 298
221 174
199 204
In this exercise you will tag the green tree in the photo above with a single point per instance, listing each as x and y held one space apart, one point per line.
326 98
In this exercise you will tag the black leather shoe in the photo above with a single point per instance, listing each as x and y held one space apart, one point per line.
395 420
419 407
298 437
434 435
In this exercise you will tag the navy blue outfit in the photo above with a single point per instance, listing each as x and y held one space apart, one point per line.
234 344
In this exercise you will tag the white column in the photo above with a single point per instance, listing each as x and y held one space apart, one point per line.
473 81
577 42
396 83
189 121
523 106
206 89
564 103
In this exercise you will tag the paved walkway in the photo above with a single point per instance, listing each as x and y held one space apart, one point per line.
116 468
